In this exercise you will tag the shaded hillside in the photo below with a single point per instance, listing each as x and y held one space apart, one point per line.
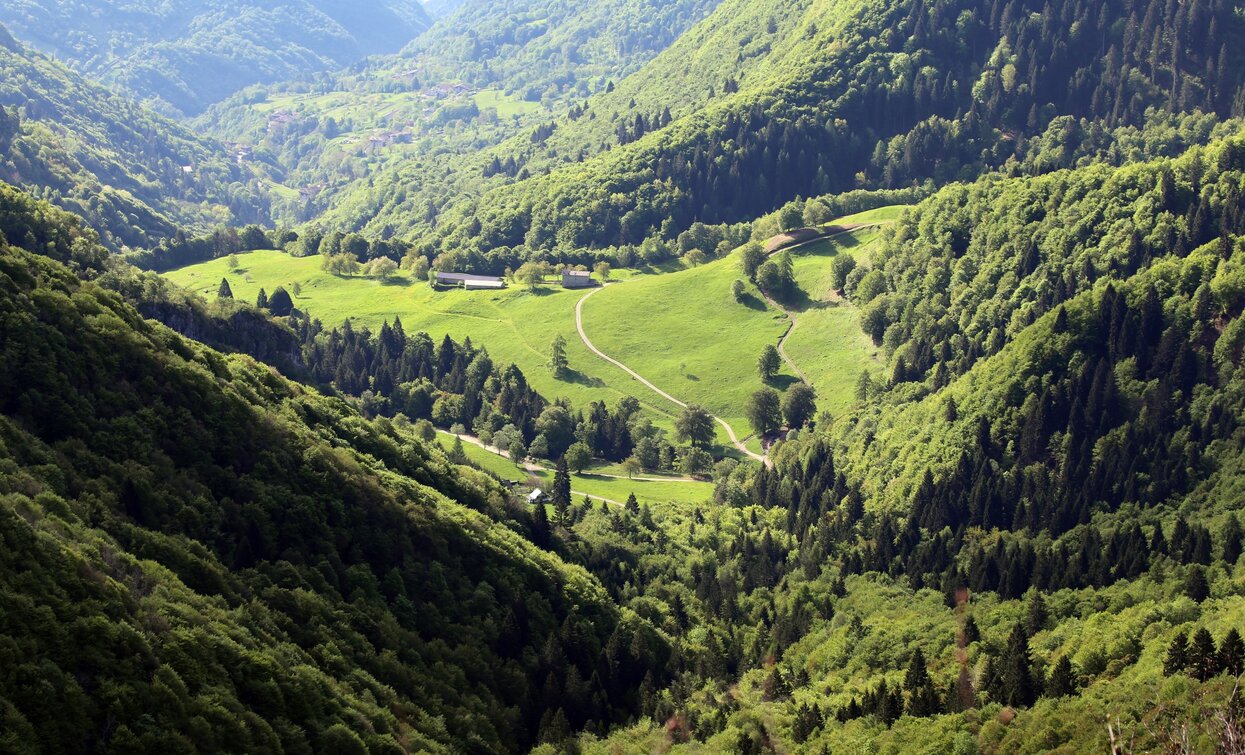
187 54
135 176
201 554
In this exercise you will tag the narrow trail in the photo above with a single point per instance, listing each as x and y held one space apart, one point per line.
583 336
793 321
532 469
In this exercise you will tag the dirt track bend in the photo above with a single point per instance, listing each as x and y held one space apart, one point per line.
579 325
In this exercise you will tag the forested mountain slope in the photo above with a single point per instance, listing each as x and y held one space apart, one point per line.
1002 550
185 55
857 93
202 554
480 75
135 176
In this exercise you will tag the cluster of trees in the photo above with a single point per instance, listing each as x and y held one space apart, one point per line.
1200 658
767 412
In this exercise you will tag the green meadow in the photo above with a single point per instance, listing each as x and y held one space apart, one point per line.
515 325
594 482
827 342
683 330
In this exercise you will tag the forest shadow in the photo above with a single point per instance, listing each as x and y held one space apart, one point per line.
782 382
579 378
752 302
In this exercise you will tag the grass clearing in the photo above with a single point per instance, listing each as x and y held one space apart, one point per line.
828 344
593 481
685 332
681 330
515 325
507 105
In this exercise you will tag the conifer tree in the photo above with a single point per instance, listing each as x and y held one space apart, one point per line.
261 301
1035 613
632 506
1232 654
1062 680
1232 540
1203 655
224 292
1195 585
1016 672
922 695
561 493
1177 659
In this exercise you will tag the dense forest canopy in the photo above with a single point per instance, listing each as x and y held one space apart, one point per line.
851 94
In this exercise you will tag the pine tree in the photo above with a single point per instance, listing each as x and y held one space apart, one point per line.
261 301
1203 655
1232 654
1035 613
560 495
1062 680
224 292
1232 540
458 454
922 696
1195 585
1018 686
1177 659
632 506
540 525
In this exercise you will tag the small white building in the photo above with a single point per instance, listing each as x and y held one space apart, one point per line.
536 496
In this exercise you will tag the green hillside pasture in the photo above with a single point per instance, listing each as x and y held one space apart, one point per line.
828 343
685 332
515 325
656 493
507 105
888 214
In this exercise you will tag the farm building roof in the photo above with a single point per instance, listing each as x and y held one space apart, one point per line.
465 277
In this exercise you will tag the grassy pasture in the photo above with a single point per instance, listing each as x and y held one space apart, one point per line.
681 330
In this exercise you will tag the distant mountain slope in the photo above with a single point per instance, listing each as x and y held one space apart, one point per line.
200 554
187 54
480 75
134 175
539 47
849 93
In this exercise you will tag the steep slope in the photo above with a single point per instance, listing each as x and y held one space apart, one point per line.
201 554
187 54
855 92
133 175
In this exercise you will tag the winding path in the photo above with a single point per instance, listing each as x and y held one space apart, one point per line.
583 336
793 321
